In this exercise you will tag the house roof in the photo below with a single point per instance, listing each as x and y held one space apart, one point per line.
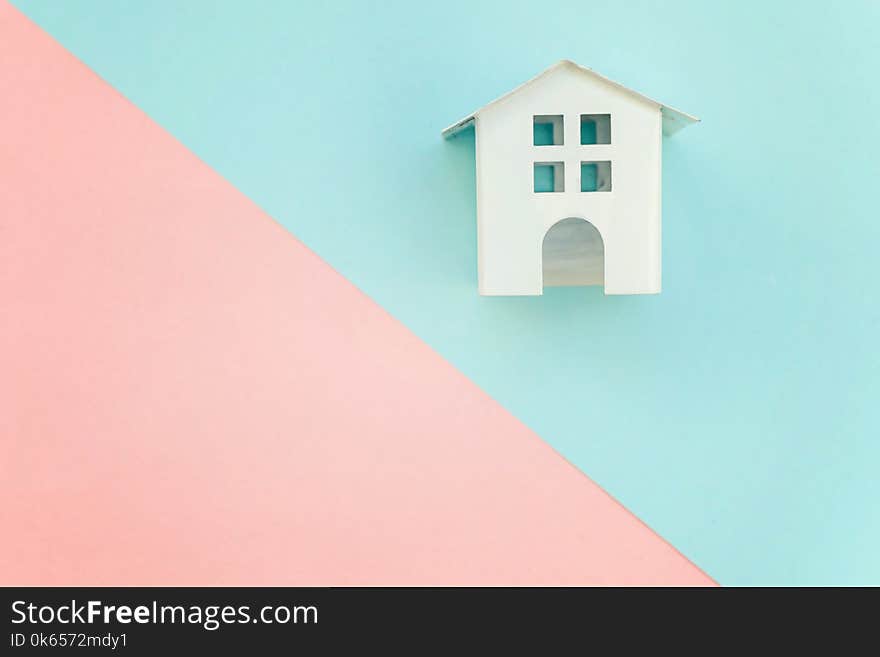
673 119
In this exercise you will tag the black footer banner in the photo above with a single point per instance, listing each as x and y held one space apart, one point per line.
415 620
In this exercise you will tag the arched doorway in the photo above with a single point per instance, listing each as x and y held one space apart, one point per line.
573 253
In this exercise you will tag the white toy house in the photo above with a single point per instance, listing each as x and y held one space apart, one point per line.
568 184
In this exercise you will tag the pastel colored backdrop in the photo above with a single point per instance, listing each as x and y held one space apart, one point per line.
736 413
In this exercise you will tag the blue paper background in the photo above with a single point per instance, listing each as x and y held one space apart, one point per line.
737 412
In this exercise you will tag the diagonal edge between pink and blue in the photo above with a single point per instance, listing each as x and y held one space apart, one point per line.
194 398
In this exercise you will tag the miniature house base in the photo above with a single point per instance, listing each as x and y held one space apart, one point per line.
568 184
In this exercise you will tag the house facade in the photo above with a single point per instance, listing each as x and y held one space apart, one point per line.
569 171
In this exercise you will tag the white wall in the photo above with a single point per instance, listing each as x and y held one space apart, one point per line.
512 218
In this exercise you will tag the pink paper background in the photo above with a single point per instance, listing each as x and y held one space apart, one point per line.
188 396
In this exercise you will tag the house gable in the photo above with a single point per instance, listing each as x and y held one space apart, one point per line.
673 119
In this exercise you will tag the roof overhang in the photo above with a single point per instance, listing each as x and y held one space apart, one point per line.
673 119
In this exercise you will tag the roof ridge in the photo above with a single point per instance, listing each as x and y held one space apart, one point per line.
673 119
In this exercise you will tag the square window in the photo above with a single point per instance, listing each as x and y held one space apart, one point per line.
596 176
595 129
547 130
549 177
